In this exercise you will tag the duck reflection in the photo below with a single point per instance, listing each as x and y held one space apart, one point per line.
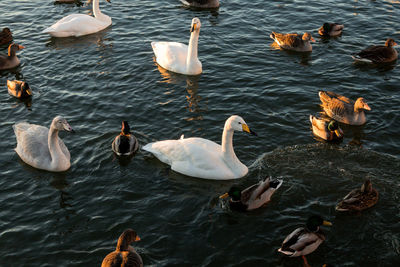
305 57
192 85
97 39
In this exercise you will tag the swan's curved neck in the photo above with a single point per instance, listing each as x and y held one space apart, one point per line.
227 148
54 146
96 11
192 49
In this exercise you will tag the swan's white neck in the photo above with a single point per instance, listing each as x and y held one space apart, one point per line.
97 13
57 156
229 154
192 49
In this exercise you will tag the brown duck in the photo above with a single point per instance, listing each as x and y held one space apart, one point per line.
378 53
331 29
359 199
19 89
10 61
293 41
5 36
124 255
343 109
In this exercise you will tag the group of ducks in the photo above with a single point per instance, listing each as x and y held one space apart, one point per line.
41 147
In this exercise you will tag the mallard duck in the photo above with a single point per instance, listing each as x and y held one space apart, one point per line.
19 89
11 60
293 41
378 53
331 29
329 131
343 109
359 199
124 254
202 158
254 196
125 143
201 3
42 148
304 240
80 24
178 57
5 36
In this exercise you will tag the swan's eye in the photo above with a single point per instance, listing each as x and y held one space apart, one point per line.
239 122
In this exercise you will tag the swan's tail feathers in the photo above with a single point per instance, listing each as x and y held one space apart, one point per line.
324 97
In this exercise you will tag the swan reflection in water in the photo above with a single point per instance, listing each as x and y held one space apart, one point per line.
192 85
81 42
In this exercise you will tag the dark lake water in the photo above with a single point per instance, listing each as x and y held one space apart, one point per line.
74 218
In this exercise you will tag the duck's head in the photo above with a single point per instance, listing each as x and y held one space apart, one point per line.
61 124
333 126
390 42
361 104
315 221
366 187
196 24
324 30
6 31
236 123
235 193
307 37
26 89
125 129
13 48
126 238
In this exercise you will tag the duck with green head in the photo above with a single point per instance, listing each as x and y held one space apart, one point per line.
254 196
327 130
304 240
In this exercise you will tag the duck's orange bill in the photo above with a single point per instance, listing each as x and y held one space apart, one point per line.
326 223
137 238
224 195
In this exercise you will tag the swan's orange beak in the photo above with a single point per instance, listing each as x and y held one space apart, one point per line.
193 27
247 129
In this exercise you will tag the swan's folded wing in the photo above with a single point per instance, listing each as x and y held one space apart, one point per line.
171 55
32 143
76 23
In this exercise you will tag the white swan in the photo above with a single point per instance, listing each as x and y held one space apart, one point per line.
41 148
203 158
80 24
178 57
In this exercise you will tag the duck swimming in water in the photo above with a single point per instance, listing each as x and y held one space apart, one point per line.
19 89
293 41
331 29
124 254
378 53
11 60
254 196
329 131
359 199
343 109
125 144
201 3
304 240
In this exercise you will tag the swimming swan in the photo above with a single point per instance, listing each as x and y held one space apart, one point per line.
178 57
41 148
80 24
203 158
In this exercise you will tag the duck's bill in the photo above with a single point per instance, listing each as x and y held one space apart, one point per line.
326 223
247 129
29 91
366 106
339 133
224 195
137 238
20 47
312 40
